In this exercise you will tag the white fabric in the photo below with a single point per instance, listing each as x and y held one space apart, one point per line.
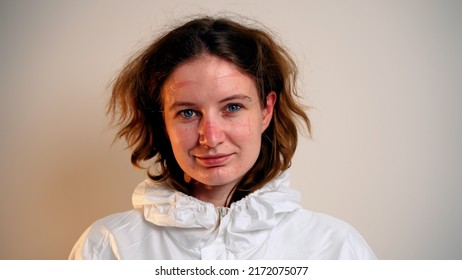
267 224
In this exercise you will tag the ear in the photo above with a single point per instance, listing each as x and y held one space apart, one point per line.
267 112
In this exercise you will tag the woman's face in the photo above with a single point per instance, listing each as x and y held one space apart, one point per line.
214 120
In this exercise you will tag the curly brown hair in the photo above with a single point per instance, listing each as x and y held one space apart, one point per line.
136 101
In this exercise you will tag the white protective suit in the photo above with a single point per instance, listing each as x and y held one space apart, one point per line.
267 224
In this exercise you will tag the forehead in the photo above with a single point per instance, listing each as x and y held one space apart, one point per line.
207 71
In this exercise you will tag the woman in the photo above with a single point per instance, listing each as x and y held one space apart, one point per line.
212 104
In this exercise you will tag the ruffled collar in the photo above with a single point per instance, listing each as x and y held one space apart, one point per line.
195 223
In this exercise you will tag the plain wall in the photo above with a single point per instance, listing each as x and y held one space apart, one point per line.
383 79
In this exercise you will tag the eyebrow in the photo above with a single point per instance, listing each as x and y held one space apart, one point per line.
236 96
227 99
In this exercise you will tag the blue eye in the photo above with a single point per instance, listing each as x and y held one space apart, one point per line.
233 107
187 114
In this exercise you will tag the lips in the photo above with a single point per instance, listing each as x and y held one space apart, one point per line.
213 160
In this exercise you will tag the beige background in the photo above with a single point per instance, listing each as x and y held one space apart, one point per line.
384 78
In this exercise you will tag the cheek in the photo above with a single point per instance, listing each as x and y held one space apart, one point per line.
247 131
254 123
181 138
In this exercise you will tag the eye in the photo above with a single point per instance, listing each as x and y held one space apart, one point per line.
233 107
187 114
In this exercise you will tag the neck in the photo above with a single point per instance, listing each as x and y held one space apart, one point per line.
217 195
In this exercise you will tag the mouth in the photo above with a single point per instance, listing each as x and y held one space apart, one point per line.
213 160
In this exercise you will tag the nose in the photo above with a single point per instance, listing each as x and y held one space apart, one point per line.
211 132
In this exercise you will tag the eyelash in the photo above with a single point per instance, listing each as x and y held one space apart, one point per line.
181 114
239 107
230 108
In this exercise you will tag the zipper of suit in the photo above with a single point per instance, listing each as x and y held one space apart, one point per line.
221 212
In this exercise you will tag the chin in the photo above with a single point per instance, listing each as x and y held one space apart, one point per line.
213 178
217 181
